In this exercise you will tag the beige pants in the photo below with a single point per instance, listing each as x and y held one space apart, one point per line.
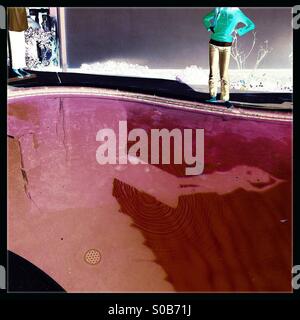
219 58
17 44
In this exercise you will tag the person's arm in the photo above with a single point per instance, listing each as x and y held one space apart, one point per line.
207 20
249 25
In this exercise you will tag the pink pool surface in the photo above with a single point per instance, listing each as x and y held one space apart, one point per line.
152 228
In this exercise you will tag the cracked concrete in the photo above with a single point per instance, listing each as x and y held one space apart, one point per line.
60 126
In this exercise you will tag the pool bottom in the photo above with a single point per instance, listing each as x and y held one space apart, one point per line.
149 228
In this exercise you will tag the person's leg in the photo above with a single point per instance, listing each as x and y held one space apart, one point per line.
213 71
224 65
17 43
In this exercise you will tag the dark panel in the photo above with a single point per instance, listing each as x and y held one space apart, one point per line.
166 37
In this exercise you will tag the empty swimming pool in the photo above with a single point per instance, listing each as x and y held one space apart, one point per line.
148 227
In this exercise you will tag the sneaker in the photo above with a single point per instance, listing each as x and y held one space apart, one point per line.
24 73
228 104
17 73
212 99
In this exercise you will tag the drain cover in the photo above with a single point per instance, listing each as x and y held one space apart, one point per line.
92 256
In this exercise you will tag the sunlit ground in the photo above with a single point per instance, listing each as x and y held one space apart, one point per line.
266 80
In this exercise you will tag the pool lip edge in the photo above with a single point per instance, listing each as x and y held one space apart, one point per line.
202 107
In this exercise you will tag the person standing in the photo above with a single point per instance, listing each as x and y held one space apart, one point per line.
17 25
222 22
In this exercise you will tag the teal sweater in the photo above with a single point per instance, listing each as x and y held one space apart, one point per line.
224 20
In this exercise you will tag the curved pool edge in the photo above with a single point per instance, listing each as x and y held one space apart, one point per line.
150 99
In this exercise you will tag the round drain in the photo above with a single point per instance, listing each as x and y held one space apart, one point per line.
92 256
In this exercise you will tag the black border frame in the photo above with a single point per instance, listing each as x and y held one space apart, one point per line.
196 300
